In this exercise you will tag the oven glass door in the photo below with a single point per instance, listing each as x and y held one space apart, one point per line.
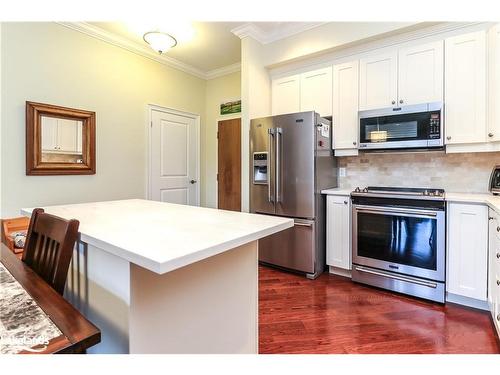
398 128
405 241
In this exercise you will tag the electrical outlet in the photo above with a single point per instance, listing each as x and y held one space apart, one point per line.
342 172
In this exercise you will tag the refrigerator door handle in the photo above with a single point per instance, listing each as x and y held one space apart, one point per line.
270 135
279 134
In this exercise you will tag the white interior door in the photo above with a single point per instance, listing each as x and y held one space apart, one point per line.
174 158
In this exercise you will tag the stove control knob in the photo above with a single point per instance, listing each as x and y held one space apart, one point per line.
425 193
357 190
365 190
437 193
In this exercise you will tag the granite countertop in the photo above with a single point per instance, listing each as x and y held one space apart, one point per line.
163 237
23 325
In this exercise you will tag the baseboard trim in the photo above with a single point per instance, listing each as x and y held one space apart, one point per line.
339 271
466 301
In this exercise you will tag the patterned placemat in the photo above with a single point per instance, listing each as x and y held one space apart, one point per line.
23 325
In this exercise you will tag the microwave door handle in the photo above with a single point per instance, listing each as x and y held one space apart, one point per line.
270 135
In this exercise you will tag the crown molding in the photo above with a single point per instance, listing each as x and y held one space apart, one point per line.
219 72
145 51
252 30
376 42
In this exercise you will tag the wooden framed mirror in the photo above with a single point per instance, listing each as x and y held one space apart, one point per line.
59 140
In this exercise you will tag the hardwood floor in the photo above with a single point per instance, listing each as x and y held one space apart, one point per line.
334 315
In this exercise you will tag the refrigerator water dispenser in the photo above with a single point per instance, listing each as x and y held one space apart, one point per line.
260 168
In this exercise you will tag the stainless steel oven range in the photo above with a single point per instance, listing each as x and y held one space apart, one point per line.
398 240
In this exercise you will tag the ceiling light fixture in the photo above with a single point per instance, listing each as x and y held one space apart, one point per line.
160 42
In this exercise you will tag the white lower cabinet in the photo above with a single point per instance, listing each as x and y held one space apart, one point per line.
494 268
338 231
467 250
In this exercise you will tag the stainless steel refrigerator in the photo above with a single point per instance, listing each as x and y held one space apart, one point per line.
291 161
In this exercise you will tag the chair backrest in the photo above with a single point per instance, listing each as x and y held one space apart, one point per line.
49 247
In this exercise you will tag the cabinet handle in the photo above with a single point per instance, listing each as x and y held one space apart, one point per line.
498 282
448 137
345 202
401 101
498 317
354 143
498 229
490 135
498 255
393 102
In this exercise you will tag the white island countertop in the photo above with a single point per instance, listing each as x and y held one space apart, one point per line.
162 237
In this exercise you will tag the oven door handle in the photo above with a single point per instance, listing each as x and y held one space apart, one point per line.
397 277
398 211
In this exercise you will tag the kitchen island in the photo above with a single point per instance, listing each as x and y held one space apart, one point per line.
166 278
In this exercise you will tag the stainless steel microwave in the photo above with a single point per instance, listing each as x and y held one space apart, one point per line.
410 127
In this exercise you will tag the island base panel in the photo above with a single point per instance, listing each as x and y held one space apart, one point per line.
207 307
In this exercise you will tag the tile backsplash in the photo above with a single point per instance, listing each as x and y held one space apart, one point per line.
469 172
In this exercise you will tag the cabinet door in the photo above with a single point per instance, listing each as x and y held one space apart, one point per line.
421 71
316 91
338 232
345 105
286 95
465 88
468 250
378 81
494 262
49 133
494 93
67 134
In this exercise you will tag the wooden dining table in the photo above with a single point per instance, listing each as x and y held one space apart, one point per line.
34 318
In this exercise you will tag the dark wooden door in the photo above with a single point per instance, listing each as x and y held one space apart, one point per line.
229 165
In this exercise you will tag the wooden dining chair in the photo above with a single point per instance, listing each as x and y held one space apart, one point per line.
49 247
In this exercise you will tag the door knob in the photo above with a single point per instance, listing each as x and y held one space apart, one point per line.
192 182
490 135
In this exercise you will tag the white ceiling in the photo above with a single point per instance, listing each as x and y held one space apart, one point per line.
212 46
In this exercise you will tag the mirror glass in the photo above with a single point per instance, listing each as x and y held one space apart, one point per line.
61 140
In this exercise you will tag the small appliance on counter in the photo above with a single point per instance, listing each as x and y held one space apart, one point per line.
495 180
291 161
398 240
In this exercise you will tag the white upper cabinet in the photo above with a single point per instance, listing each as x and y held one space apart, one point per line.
345 105
467 250
309 91
67 135
316 91
338 231
421 70
465 88
494 81
49 133
378 87
286 95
